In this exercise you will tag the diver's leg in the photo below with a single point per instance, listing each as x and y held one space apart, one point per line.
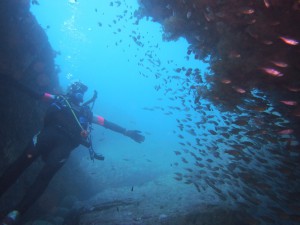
54 160
33 193
38 187
14 170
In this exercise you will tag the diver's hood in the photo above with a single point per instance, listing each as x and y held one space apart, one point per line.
77 87
76 92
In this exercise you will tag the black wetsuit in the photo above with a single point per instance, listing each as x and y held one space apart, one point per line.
59 136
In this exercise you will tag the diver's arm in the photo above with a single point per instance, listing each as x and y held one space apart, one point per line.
109 125
133 134
48 97
44 96
22 87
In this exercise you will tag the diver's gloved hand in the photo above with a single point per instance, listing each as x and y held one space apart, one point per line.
135 135
98 156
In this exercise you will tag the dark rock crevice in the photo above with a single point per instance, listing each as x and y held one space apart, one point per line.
27 57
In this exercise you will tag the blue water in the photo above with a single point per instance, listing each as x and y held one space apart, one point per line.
106 58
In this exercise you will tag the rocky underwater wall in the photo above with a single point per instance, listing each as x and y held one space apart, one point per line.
252 48
26 56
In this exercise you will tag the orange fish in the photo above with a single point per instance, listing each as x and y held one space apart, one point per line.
248 11
293 89
286 131
289 41
272 72
267 3
226 81
290 103
267 42
252 21
234 54
280 64
240 90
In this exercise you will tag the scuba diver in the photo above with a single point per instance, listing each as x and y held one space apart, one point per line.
66 126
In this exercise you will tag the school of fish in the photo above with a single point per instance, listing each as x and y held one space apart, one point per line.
248 157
